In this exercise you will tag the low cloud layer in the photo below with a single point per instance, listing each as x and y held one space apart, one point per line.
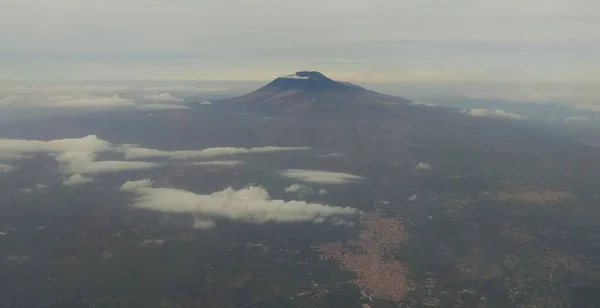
76 156
421 104
111 166
37 187
331 155
162 107
320 177
492 113
252 204
218 163
300 190
423 166
87 98
576 119
163 97
4 168
134 152
76 179
114 101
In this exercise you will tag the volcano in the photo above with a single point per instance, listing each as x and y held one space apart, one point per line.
311 91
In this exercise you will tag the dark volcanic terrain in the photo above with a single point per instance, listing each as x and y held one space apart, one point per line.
455 210
313 93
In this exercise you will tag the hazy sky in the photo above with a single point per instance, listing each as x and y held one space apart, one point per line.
419 41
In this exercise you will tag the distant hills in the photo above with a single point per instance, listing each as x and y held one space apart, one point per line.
309 92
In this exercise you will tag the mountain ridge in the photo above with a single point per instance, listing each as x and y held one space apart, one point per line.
311 92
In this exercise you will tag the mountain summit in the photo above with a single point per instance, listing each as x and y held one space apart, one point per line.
311 91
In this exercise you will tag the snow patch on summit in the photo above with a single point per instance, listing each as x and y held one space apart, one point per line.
295 76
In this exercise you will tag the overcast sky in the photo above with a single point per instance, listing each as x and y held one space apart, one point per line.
419 41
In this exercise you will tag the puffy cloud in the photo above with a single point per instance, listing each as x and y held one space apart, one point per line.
41 186
300 189
493 113
132 151
77 179
75 155
320 177
322 192
161 107
297 187
206 103
218 163
252 204
18 147
4 168
136 185
163 97
412 198
423 166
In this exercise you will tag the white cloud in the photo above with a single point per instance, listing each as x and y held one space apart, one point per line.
296 188
331 155
136 185
203 224
36 187
206 103
576 119
412 198
11 156
112 166
423 166
322 192
493 113
77 179
114 101
218 163
62 98
415 103
75 155
252 204
4 168
186 90
300 190
162 107
18 147
163 97
320 177
132 152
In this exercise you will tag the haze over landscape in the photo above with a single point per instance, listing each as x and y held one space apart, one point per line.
299 154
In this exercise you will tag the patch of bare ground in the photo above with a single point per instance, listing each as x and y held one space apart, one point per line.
377 273
536 279
533 196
